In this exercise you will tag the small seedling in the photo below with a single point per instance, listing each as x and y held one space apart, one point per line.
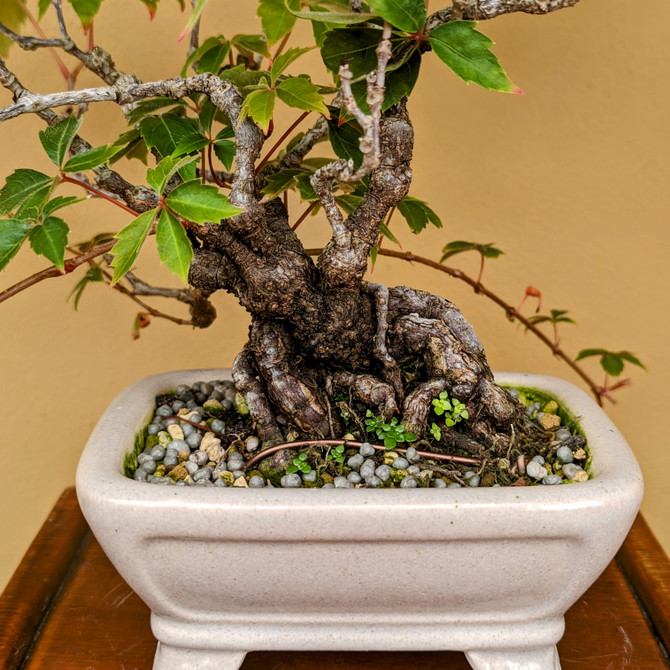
391 433
336 454
299 463
436 432
453 410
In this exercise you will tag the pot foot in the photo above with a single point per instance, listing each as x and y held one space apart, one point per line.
179 658
543 658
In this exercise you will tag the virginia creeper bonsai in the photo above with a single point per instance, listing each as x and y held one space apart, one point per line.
216 181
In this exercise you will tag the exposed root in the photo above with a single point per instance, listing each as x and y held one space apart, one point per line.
418 404
369 390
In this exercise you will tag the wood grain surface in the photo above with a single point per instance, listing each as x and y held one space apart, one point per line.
96 622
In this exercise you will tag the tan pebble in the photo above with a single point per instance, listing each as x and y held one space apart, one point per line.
188 478
211 445
175 431
227 477
183 411
178 472
241 482
580 454
183 455
581 476
390 456
212 404
549 421
164 438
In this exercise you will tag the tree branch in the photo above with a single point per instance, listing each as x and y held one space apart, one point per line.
489 9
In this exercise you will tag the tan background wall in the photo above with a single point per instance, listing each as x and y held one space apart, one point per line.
570 180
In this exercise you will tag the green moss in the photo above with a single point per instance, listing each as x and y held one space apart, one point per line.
130 459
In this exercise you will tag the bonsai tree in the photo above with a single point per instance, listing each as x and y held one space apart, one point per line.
215 198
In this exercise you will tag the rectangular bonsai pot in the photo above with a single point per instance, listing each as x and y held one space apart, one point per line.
489 571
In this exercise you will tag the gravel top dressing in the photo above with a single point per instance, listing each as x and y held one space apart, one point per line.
202 435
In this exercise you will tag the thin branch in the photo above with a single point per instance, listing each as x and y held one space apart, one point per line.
489 9
71 264
304 215
510 312
304 145
29 43
281 140
195 32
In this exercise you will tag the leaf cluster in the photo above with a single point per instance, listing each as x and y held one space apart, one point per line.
391 432
612 362
300 463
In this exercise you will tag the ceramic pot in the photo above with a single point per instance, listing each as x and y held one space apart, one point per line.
488 571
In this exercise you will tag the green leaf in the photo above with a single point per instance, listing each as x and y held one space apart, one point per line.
165 132
225 151
259 105
87 160
212 59
276 18
627 356
284 60
349 203
42 7
408 15
12 235
612 364
208 44
56 139
467 52
357 46
86 10
390 442
333 18
459 246
281 181
158 178
50 239
94 274
200 203
245 81
12 15
386 232
21 186
305 188
59 202
344 137
586 353
189 144
418 214
300 93
174 248
198 8
145 107
248 45
130 241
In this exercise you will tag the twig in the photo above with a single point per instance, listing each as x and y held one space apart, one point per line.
304 215
280 141
350 443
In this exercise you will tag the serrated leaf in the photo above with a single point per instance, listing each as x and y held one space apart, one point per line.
59 202
198 8
486 250
344 138
174 248
12 235
225 151
417 214
248 45
145 107
165 132
93 274
284 60
12 15
586 353
386 232
408 15
23 185
302 94
158 178
152 6
86 10
130 241
50 239
335 18
56 139
468 54
87 160
277 183
208 44
200 203
276 18
259 105
136 148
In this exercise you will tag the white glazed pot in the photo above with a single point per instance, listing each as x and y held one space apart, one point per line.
230 570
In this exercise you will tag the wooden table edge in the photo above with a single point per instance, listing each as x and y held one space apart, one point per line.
34 587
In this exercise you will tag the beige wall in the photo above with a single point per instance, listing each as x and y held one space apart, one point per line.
570 180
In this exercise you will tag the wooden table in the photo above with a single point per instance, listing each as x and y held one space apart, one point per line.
66 608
